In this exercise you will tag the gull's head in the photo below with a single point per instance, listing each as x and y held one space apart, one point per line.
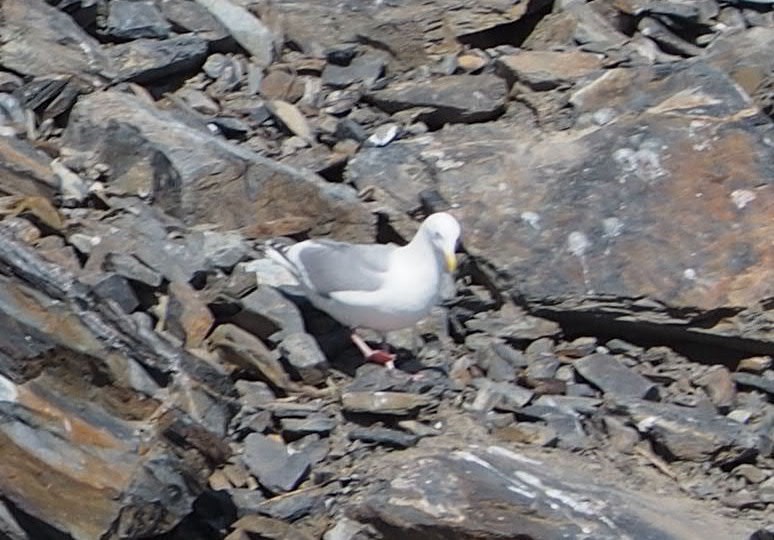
443 232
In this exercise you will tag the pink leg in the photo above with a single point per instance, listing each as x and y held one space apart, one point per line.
382 356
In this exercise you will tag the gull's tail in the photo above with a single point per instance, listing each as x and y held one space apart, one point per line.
277 250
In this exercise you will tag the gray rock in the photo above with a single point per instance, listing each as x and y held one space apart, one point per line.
246 501
384 135
345 529
565 423
266 312
147 60
500 395
113 287
295 428
758 382
550 498
223 249
192 17
132 19
667 40
615 379
384 437
247 30
452 99
131 268
276 469
766 491
514 357
365 69
9 527
293 506
392 403
32 26
543 367
304 358
200 178
693 434
254 394
594 270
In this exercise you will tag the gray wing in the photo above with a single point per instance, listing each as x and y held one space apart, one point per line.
332 266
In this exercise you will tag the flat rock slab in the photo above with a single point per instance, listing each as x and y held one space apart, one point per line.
452 99
614 378
146 60
71 411
200 178
614 211
693 434
544 70
32 26
409 30
276 469
494 493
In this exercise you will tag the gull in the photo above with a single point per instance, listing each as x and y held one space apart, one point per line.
382 287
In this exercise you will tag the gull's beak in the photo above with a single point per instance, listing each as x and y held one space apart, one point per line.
451 261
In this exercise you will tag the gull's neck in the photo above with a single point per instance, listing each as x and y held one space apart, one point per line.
422 249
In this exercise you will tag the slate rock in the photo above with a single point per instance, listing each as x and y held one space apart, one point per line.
276 469
692 434
246 29
223 250
758 382
113 287
133 19
453 99
620 172
612 377
130 267
190 169
543 367
147 60
539 495
392 403
545 70
384 436
366 69
188 16
246 501
187 315
719 385
499 395
293 506
295 428
102 464
304 357
266 311
32 26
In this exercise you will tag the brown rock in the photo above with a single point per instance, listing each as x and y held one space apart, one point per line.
24 170
588 207
453 99
436 494
203 179
280 84
720 387
187 315
544 70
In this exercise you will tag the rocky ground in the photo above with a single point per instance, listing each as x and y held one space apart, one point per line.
602 369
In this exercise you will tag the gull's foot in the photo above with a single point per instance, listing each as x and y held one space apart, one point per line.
382 357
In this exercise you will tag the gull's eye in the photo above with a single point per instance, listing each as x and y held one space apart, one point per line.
437 235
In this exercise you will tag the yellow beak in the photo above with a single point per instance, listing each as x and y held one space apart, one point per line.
451 262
